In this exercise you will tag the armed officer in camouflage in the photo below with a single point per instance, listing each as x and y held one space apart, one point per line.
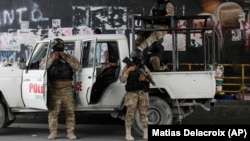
60 68
160 8
155 61
136 96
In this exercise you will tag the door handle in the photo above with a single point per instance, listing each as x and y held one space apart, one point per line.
26 80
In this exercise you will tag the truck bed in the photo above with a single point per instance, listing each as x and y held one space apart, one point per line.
187 85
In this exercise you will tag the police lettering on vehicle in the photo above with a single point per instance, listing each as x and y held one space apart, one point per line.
35 88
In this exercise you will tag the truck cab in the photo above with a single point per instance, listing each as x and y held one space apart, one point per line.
24 89
96 88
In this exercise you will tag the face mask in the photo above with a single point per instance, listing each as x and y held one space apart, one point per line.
59 49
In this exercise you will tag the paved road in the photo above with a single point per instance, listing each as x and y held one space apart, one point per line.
105 128
84 132
234 112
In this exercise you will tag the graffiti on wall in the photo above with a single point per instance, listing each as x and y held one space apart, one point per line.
230 20
103 17
84 20
10 16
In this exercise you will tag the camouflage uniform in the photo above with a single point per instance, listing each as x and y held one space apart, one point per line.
156 63
156 35
134 100
61 96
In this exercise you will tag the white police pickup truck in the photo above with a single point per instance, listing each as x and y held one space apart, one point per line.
24 90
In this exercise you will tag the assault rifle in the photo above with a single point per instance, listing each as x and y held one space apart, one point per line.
141 70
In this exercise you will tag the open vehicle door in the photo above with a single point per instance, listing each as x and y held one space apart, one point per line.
34 86
86 76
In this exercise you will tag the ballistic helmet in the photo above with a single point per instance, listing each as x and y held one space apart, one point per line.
136 53
57 44
97 31
136 56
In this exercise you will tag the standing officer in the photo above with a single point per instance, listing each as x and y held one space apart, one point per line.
61 68
160 8
136 96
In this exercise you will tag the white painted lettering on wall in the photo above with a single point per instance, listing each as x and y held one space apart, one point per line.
10 16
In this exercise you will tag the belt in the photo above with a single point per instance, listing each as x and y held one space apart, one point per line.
60 84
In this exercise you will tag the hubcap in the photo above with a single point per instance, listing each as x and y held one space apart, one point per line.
154 116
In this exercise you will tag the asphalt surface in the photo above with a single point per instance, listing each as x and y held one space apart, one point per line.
84 132
232 112
103 127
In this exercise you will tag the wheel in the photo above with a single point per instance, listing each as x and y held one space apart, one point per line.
2 116
159 113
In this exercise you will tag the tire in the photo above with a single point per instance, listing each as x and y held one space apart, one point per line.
159 113
2 116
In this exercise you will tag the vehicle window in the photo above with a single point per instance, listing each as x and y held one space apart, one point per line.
88 57
38 54
111 48
69 47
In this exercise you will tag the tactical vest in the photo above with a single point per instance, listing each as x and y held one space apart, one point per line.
60 70
134 84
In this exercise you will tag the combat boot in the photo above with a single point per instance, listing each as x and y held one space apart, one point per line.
52 135
53 128
129 137
71 135
145 133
